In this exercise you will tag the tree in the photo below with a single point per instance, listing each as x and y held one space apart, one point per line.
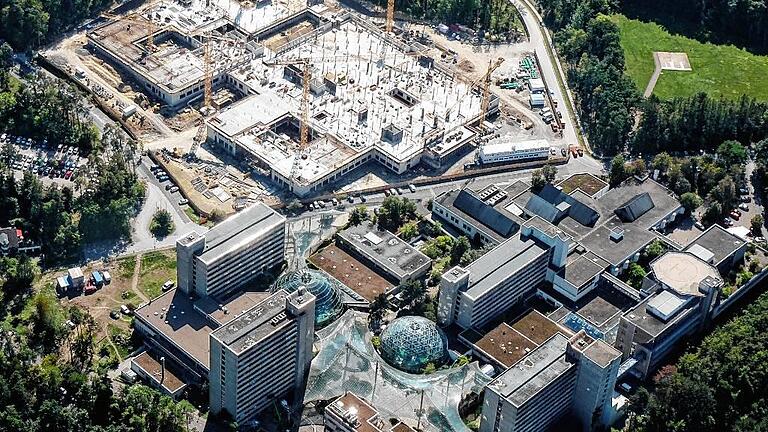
378 308
429 368
618 171
358 215
636 274
725 193
460 247
549 172
731 153
654 250
756 225
394 212
662 162
537 180
690 201
413 293
162 223
409 230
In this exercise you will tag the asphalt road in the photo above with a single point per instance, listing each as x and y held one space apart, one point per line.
539 40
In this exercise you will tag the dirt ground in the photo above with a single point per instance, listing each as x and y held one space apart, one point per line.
121 291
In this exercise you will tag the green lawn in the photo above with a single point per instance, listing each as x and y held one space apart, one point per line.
719 70
156 268
126 266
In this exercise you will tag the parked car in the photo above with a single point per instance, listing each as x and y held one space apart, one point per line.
168 186
173 189
746 199
734 216
412 188
125 310
744 207
183 201
699 225
728 222
168 285
114 314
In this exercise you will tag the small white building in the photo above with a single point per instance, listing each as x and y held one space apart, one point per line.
537 85
537 100
514 151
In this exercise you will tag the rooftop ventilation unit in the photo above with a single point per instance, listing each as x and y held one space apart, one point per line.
617 234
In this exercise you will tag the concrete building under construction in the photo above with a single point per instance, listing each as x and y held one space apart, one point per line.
373 96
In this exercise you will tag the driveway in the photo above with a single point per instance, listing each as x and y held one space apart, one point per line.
158 198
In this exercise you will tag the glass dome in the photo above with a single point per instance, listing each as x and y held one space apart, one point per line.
328 304
409 343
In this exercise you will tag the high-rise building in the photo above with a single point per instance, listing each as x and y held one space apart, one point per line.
232 253
263 355
563 375
473 296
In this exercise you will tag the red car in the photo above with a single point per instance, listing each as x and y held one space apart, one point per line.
67 175
734 215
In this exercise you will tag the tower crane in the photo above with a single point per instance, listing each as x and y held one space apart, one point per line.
492 66
485 80
390 16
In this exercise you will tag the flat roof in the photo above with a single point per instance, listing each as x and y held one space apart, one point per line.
534 372
366 414
510 146
351 272
651 324
588 183
505 345
584 268
538 328
153 369
250 327
174 316
720 242
224 311
258 110
500 264
396 256
239 230
683 272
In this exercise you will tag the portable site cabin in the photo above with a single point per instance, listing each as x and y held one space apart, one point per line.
97 279
107 277
76 278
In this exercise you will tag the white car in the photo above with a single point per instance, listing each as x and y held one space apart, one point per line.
183 201
744 207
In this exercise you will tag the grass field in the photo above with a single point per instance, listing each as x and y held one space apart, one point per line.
156 268
718 70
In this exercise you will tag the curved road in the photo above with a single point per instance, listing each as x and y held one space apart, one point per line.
551 69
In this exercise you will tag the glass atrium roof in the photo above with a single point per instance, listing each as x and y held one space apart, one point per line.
328 303
409 343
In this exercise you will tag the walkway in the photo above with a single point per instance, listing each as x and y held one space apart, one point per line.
655 77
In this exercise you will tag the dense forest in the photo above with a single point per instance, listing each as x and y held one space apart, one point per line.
27 24
494 16
614 115
743 23
722 385
110 191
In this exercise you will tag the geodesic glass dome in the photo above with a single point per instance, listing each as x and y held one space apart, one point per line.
409 343
328 304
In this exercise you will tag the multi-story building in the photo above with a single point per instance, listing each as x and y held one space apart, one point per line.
683 290
397 260
473 296
232 253
262 356
559 377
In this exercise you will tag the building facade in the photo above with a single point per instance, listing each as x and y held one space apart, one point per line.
262 356
473 296
231 254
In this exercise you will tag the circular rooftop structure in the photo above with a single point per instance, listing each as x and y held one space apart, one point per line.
409 343
328 303
683 272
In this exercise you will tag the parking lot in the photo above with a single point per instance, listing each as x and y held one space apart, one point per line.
53 163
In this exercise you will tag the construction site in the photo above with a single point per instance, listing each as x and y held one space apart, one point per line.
304 93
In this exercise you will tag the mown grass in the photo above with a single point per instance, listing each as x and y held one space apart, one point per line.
718 70
156 268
